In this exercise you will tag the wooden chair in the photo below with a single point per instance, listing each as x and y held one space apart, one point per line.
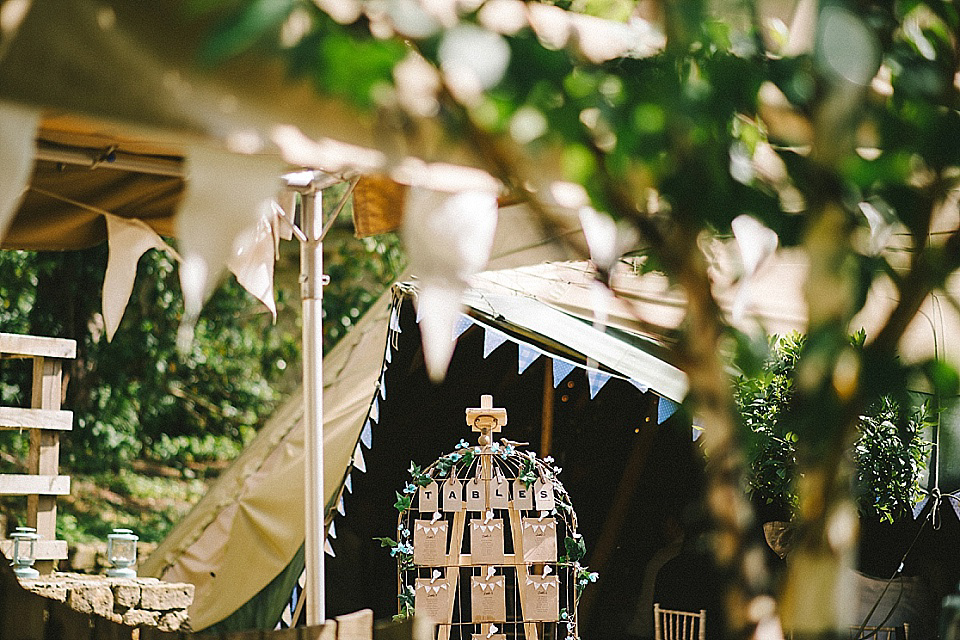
669 624
880 633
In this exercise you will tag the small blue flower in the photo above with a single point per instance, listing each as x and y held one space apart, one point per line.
410 488
477 450
455 456
405 533
495 447
510 450
548 459
463 444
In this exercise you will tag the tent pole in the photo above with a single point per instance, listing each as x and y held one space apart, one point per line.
311 293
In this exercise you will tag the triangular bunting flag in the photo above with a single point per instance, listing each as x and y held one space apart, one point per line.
526 355
383 387
366 434
252 258
665 409
419 316
348 483
388 354
917 508
340 508
358 462
215 177
127 241
956 507
375 409
697 432
332 532
395 320
329 549
596 379
561 369
491 340
639 385
463 323
18 134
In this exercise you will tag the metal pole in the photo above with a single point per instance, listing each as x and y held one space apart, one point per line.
311 293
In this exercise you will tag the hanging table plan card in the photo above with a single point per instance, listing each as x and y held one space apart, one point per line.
486 540
486 585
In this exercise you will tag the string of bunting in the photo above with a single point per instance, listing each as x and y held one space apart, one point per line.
493 338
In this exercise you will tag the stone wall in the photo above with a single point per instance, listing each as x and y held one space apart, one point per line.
129 601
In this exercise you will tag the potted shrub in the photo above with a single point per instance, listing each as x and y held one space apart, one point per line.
889 454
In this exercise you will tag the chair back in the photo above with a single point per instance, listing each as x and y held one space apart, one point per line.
880 633
670 624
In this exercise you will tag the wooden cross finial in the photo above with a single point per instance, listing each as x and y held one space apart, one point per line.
486 419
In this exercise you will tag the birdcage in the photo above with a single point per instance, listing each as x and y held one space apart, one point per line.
487 544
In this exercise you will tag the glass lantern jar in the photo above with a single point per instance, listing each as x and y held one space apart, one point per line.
25 552
122 553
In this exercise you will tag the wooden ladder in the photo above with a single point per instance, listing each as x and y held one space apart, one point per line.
42 483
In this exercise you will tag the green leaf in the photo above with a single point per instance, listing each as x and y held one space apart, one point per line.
403 502
576 548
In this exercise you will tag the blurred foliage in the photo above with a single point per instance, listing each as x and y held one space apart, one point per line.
890 453
838 135
137 396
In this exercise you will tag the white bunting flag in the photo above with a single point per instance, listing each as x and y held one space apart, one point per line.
358 462
348 483
127 240
383 387
756 242
561 369
665 409
252 258
448 238
18 135
491 340
917 508
329 549
332 531
462 324
366 434
375 409
340 508
225 194
639 385
395 320
526 355
596 379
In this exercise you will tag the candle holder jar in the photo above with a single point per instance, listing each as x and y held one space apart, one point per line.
122 553
25 552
